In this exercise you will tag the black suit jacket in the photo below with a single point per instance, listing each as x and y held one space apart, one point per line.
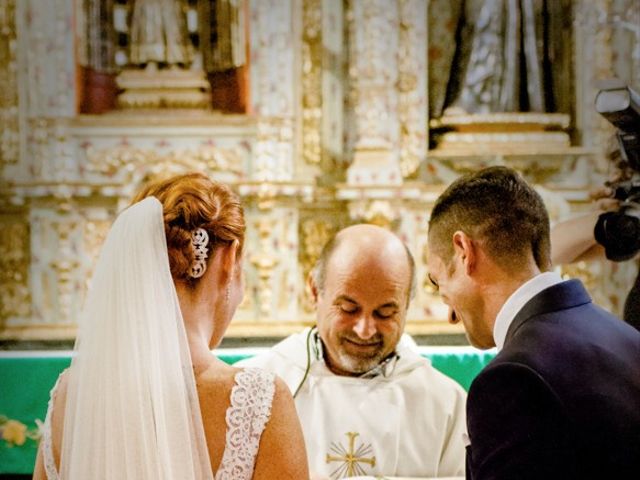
562 398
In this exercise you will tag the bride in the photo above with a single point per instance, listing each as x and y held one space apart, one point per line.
144 398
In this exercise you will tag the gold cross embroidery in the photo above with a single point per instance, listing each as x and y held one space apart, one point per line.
350 459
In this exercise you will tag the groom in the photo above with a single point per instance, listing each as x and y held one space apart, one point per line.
561 400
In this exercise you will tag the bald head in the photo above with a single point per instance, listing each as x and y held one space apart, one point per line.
365 247
361 287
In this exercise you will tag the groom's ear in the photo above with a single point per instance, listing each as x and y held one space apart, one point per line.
465 249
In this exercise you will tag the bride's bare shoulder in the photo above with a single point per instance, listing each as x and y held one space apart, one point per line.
218 374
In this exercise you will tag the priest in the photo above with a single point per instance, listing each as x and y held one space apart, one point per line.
368 402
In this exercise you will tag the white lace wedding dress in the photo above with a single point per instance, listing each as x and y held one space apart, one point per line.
246 418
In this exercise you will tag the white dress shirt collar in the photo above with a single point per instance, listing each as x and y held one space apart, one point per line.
517 300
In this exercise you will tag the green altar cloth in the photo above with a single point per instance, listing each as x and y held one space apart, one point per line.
26 378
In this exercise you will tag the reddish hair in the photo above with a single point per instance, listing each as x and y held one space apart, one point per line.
192 201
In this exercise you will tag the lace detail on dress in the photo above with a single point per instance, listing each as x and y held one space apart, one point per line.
247 415
47 442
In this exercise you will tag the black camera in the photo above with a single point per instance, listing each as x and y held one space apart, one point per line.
619 231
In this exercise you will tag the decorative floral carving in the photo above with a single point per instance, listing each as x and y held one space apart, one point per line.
314 235
66 268
274 150
603 68
47 57
14 270
287 244
582 270
377 212
9 126
272 71
49 150
371 73
265 262
607 282
109 161
312 81
593 45
266 194
94 235
411 84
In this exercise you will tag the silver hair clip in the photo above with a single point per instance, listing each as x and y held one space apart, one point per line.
199 242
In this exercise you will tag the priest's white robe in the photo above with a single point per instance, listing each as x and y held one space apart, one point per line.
407 422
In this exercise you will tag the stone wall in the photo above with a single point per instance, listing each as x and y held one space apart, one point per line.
338 133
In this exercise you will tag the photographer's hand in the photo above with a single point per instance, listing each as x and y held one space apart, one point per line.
573 241
603 199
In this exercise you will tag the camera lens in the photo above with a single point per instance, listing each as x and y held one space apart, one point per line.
619 233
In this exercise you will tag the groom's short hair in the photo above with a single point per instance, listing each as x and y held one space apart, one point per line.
498 207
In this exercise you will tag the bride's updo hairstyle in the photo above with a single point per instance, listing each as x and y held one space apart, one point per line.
193 201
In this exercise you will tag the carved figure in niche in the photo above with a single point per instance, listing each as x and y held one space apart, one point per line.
159 34
171 47
159 39
503 59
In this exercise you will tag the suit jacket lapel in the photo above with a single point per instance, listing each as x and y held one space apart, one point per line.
557 297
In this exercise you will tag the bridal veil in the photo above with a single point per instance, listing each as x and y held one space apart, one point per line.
132 409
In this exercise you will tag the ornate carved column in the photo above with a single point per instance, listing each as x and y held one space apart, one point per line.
594 56
322 81
15 256
274 288
265 262
47 57
9 121
372 99
412 84
55 248
273 82
46 75
39 98
312 46
387 106
14 225
322 126
387 102
272 190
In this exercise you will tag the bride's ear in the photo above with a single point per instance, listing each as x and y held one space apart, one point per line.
230 257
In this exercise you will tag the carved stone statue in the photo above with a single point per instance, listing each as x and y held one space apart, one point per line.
510 78
158 33
162 71
503 59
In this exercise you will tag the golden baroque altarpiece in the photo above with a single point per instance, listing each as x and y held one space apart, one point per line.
338 133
